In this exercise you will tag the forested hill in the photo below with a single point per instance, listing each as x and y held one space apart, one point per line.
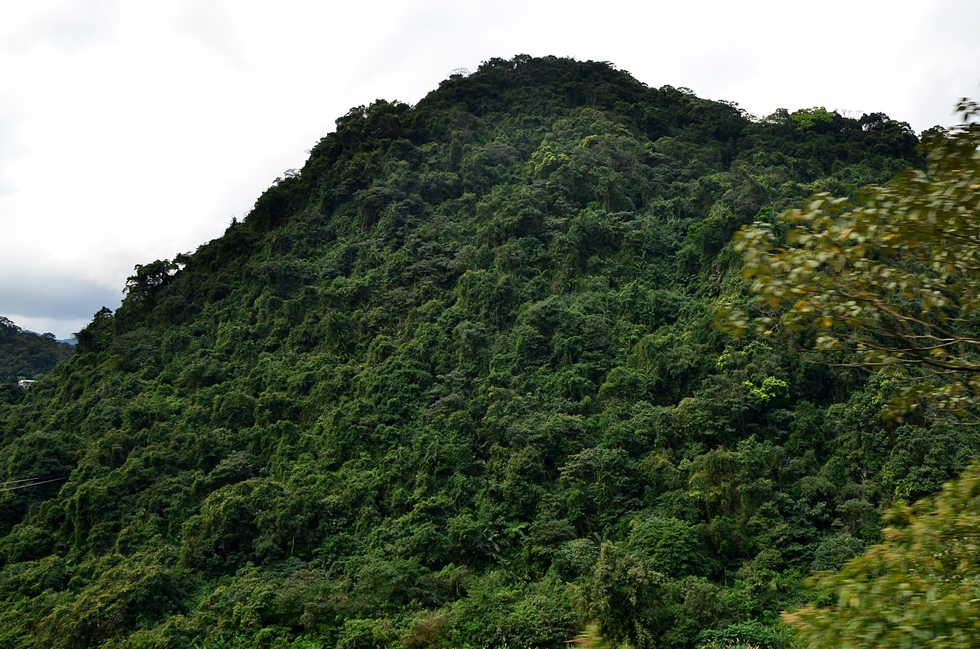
455 383
24 354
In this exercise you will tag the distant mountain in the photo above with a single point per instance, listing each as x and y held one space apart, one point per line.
23 354
455 383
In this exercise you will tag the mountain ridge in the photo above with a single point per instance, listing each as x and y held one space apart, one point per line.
455 382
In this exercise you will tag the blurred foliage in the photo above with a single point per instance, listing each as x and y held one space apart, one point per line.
892 282
916 589
891 285
455 383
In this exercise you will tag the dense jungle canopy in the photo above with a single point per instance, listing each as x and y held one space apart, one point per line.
455 383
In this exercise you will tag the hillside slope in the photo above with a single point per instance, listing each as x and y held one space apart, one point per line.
25 354
455 383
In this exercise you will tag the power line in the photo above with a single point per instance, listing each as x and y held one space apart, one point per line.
3 484
33 484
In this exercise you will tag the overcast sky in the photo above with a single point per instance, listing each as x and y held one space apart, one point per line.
134 130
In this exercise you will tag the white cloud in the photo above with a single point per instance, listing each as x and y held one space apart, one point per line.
130 131
62 329
69 25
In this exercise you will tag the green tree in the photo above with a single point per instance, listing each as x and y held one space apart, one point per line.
891 283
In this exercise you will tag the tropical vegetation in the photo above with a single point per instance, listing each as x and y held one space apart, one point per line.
456 382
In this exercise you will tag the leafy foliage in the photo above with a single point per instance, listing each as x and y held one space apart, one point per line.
891 282
916 589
